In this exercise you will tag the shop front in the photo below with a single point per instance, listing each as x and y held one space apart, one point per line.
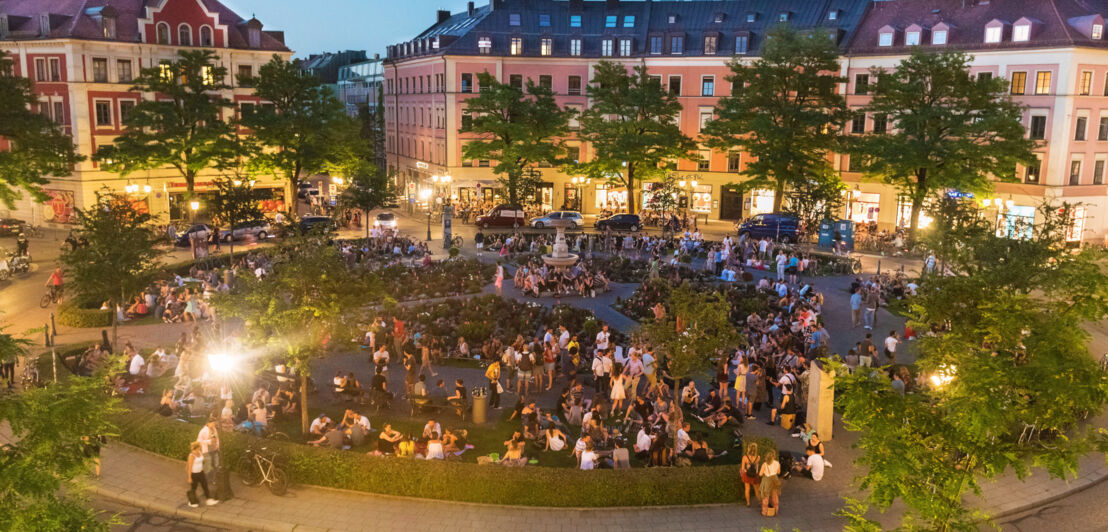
1015 221
904 213
759 201
864 207
610 198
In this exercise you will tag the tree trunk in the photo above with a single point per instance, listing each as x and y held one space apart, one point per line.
231 234
778 195
292 204
303 401
630 189
917 203
513 189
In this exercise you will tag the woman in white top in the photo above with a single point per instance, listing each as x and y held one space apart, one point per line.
770 487
195 469
555 439
588 458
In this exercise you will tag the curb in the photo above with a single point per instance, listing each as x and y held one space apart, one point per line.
1047 500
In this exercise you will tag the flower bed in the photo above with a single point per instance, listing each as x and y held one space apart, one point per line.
744 298
440 279
76 313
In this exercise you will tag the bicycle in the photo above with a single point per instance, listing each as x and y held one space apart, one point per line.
34 231
456 241
258 467
53 296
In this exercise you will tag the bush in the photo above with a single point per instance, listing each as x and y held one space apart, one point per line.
74 313
454 252
456 481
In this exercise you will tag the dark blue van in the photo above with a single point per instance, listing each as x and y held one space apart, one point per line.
781 227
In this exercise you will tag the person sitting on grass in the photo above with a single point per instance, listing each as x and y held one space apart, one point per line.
690 396
320 425
332 437
555 439
698 449
454 441
459 400
387 440
513 456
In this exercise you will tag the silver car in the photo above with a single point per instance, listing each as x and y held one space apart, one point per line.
258 229
571 219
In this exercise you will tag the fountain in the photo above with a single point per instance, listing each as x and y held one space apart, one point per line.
560 257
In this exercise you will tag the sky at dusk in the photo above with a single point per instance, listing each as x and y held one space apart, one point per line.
312 26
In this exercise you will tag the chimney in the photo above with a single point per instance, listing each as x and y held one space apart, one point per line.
612 4
443 15
496 4
470 9
576 5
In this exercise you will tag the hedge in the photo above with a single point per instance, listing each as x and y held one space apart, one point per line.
72 313
456 481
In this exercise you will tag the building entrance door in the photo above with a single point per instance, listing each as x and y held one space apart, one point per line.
730 205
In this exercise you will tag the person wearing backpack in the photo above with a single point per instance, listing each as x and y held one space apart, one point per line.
526 364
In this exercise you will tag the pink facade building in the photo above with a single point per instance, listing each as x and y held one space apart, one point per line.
1053 51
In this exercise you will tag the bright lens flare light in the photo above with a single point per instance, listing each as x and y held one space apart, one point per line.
943 376
221 363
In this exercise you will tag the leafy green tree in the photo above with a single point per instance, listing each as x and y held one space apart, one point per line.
294 312
182 128
45 454
1008 380
515 128
950 129
663 197
121 256
302 129
367 188
632 128
784 110
36 147
820 198
234 202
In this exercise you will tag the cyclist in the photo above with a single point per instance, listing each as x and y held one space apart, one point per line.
56 282
22 246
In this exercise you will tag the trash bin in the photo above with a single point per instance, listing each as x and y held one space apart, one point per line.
480 404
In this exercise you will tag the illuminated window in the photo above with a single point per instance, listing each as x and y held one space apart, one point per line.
516 47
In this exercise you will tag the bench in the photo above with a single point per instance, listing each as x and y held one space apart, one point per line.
425 404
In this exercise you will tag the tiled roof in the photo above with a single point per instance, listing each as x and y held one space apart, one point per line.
459 33
73 19
1056 23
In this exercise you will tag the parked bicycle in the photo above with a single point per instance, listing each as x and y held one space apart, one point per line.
34 231
258 466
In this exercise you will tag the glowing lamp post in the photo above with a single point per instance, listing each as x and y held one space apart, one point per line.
425 195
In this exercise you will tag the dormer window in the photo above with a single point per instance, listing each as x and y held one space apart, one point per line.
783 16
544 20
44 24
672 19
516 46
254 35
513 19
629 21
833 14
184 35
546 46
751 17
610 21
163 33
717 18
885 36
938 37
484 44
911 38
1021 33
994 33
575 21
1097 31
3 25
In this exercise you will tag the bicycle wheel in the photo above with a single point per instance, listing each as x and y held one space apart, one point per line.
45 300
856 266
251 475
279 436
457 241
279 484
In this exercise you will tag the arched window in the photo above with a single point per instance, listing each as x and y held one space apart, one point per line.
184 35
163 33
206 36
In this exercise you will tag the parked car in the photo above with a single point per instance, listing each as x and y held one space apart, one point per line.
385 220
503 216
572 219
202 230
303 188
258 229
308 223
628 222
777 226
11 226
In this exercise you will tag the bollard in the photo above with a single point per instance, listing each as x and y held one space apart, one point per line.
53 329
878 266
46 334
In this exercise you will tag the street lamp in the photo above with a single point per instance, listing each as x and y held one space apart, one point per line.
425 195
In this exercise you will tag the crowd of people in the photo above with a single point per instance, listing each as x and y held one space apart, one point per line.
536 278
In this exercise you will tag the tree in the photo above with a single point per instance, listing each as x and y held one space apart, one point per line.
694 329
784 110
182 127
663 197
950 129
234 202
369 188
1010 379
46 453
34 146
302 128
121 256
517 129
817 199
632 127
295 311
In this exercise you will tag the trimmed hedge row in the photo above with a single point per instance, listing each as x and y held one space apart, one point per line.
71 313
455 481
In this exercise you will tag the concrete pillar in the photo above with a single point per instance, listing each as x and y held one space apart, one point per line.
821 401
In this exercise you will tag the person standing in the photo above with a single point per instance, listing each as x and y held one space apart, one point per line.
499 277
873 300
208 438
856 308
781 261
493 375
891 343
751 463
770 484
195 470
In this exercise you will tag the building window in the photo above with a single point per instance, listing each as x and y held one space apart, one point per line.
516 81
1098 172
880 123
573 153
606 47
55 69
675 85
1042 82
938 37
575 47
467 82
624 47
544 20
125 108
1037 131
574 85
672 19
163 33
734 159
655 44
1019 83
861 84
833 14
629 21
1075 172
546 81
677 44
1031 173
992 35
1081 124
885 39
704 161
59 114
40 71
783 17
708 86
107 27
742 44
858 124
610 21
984 76
516 47
99 70
246 76
575 118
484 45
1086 83
751 17
1102 129
103 113
1097 32
513 19
717 18
184 35
124 72
207 75
911 38
546 46
206 36
705 117
1021 33
575 21
710 44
